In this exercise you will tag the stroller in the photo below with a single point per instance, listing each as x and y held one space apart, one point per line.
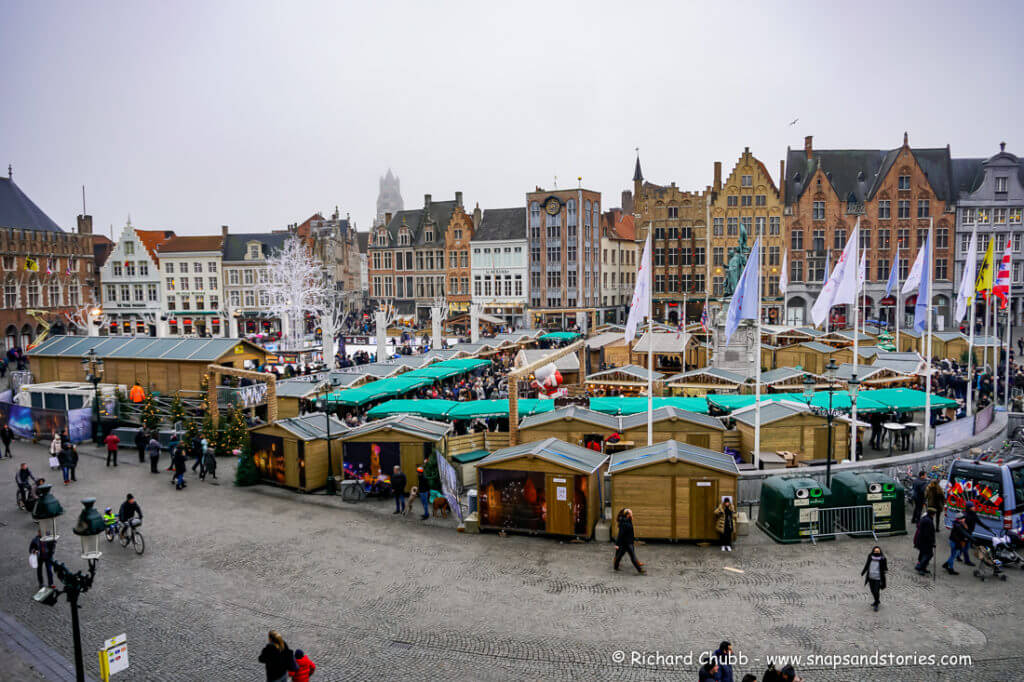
1009 548
995 556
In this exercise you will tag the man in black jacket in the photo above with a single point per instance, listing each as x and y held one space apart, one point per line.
918 494
959 538
44 556
141 440
398 483
624 541
423 487
924 541
6 435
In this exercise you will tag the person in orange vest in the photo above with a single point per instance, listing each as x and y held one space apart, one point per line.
137 394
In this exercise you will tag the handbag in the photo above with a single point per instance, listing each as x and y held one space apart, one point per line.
33 560
54 462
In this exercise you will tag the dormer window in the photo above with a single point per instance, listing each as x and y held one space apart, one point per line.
429 234
380 238
404 238
254 251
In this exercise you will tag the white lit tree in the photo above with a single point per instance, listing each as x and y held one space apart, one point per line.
297 286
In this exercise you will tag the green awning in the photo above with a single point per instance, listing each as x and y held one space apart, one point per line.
499 408
375 390
465 364
559 336
875 400
430 409
434 372
633 405
467 457
907 399
729 402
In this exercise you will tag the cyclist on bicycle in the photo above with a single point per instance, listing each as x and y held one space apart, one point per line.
129 508
24 479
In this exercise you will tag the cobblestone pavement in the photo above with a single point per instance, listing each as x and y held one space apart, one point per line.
370 595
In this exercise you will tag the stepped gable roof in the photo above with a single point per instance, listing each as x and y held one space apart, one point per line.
18 212
152 240
501 223
439 212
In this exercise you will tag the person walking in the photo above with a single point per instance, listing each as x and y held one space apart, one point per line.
725 524
709 672
305 666
209 467
179 463
723 656
958 539
55 446
277 658
398 483
971 521
195 450
423 487
924 542
65 459
112 442
141 441
874 574
6 436
625 540
153 450
935 502
917 493
73 457
44 556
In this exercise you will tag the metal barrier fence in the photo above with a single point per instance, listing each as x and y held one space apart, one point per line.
835 521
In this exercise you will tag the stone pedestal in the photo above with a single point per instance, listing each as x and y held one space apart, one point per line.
743 350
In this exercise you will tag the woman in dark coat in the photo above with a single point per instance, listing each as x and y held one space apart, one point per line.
624 541
874 573
178 462
67 461
277 658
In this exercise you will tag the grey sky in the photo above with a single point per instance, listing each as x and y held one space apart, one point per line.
189 115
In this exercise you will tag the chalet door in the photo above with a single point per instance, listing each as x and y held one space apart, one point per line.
559 494
821 442
703 500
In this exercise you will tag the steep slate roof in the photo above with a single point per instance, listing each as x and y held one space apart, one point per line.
603 339
233 248
553 450
636 371
967 175
18 212
152 240
860 172
186 244
818 346
845 371
672 451
501 223
440 213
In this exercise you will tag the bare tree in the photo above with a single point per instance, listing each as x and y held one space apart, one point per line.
297 286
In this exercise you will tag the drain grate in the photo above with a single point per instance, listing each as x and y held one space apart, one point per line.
396 644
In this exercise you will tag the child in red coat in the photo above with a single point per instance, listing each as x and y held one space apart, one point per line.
306 667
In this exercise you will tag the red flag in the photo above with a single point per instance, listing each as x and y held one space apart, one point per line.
1001 287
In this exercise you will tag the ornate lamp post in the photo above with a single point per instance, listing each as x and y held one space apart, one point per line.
332 484
854 386
93 367
88 528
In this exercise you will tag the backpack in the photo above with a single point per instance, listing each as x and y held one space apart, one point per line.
293 666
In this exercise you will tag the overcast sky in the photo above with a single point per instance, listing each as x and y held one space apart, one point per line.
190 115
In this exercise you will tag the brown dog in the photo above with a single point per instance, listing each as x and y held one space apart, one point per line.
441 507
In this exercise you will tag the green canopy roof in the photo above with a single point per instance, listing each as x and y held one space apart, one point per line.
907 399
448 368
431 409
624 405
875 400
499 408
730 402
465 364
559 336
375 390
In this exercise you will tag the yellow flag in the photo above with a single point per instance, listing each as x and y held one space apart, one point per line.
984 282
32 264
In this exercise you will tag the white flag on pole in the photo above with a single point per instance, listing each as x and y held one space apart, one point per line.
862 277
841 286
914 278
963 297
784 275
640 307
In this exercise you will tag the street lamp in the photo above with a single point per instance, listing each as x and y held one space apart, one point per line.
829 413
93 367
332 485
853 385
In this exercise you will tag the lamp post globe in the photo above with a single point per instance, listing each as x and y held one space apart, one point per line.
45 513
89 528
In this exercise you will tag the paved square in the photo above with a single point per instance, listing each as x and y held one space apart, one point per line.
370 595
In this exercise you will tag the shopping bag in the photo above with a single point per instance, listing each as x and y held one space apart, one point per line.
54 463
33 560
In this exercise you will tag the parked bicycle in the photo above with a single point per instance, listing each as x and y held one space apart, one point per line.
127 534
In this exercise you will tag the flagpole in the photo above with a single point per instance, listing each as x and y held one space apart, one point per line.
970 342
928 307
650 347
785 300
856 335
1009 313
757 361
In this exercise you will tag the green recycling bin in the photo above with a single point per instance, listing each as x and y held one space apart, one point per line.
790 507
884 493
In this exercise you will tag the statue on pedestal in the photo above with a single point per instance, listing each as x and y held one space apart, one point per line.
737 261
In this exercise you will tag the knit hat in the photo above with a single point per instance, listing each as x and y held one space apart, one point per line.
299 654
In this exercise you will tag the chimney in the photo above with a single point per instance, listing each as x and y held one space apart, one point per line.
808 146
426 201
782 180
223 230
85 224
718 176
458 198
906 139
387 218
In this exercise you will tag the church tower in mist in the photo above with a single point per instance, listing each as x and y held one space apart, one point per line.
389 197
